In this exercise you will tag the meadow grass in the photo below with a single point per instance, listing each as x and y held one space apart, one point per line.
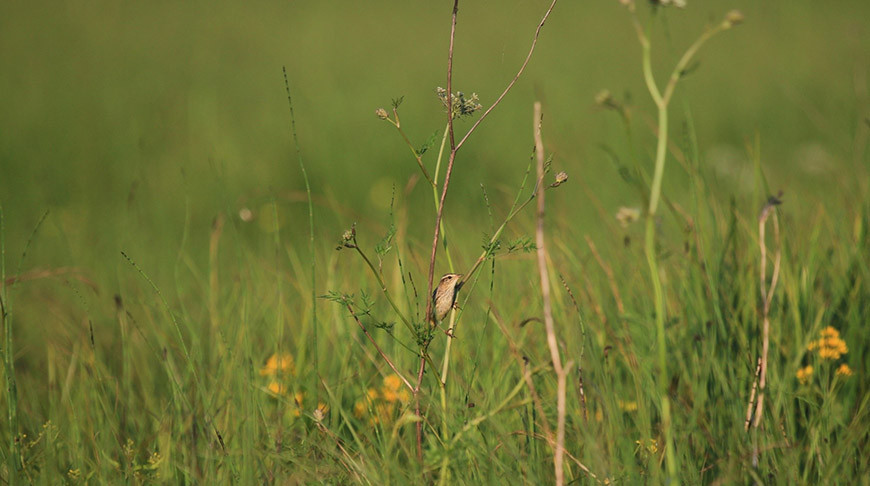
230 336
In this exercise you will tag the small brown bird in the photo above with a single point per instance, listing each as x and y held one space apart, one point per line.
444 296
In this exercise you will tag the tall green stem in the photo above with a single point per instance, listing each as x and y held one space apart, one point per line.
662 101
311 254
14 454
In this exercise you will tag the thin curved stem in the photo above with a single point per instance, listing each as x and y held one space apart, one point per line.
378 348
384 289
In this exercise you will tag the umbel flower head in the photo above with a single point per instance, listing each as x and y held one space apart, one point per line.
461 105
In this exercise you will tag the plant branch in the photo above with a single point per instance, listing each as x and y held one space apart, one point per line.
417 156
514 80
561 373
662 101
766 297
384 289
454 147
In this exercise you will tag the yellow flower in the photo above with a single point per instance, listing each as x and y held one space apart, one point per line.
803 375
830 331
630 406
650 446
274 364
390 395
297 399
829 345
360 408
277 388
391 389
844 370
393 382
382 403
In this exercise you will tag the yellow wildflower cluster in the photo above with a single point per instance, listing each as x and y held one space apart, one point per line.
829 345
382 403
804 374
278 368
276 364
844 370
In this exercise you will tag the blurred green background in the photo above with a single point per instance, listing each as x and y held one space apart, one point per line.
137 124
128 121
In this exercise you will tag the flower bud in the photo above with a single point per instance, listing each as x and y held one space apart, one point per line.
561 178
732 18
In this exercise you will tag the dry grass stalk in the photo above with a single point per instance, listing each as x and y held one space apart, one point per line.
752 393
561 372
766 297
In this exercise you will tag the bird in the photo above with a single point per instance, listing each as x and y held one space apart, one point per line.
444 295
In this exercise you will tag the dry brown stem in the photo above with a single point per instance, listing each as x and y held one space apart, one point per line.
766 297
454 147
561 372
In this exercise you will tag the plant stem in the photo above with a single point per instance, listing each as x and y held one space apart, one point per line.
310 223
543 272
662 101
378 348
384 289
14 453
454 148
417 157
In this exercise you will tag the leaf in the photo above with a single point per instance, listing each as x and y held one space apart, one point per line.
428 143
523 244
337 297
386 244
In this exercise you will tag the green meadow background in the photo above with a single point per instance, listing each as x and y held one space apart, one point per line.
151 128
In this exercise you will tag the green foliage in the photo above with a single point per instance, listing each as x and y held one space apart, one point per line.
429 143
204 370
